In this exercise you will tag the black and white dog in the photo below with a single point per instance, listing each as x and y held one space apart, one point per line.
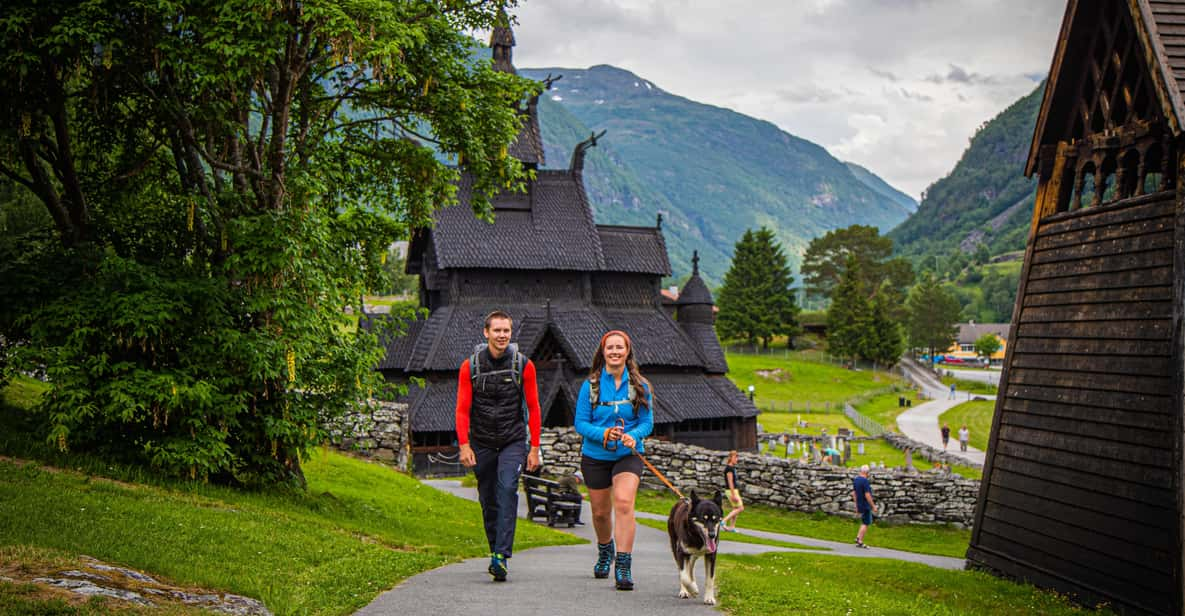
693 526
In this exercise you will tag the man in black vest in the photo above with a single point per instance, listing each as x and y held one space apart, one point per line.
497 413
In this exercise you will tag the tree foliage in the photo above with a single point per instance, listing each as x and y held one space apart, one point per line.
934 314
883 342
223 179
987 345
756 301
825 261
849 319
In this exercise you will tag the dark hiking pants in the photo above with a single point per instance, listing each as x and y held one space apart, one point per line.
497 474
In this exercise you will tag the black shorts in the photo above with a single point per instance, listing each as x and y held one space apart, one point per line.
599 474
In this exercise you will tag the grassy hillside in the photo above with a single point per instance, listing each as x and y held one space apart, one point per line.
986 199
713 172
358 530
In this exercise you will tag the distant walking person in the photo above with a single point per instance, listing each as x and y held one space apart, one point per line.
613 414
952 392
945 435
497 414
862 494
964 436
734 493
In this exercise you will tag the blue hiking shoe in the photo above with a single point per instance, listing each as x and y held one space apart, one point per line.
625 581
498 567
604 559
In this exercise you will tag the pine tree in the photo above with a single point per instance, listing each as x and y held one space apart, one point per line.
934 314
884 342
756 301
849 316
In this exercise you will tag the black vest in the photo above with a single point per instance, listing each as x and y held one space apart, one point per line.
496 412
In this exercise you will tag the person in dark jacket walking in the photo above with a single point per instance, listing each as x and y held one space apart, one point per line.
497 416
613 414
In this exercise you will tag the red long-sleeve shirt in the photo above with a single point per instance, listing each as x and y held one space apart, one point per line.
465 398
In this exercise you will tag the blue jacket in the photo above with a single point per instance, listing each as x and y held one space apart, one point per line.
591 421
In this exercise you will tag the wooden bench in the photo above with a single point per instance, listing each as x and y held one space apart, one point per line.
548 500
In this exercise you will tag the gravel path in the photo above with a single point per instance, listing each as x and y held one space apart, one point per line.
920 422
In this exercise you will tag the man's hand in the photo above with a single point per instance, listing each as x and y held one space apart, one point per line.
533 459
468 460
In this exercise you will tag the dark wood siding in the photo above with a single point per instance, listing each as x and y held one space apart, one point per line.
1082 475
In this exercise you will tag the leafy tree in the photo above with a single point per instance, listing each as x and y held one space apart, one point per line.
987 345
883 341
999 293
849 319
825 260
223 178
934 314
756 301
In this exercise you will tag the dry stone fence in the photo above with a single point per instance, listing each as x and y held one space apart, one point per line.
929 497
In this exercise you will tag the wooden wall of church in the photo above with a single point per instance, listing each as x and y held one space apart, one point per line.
1080 488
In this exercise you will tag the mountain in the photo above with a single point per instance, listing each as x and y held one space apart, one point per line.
985 200
711 172
874 182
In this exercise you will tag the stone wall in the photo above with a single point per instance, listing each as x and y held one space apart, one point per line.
381 432
925 451
901 496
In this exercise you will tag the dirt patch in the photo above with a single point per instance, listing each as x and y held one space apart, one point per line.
776 375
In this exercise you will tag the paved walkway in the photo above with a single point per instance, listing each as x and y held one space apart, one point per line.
920 422
558 579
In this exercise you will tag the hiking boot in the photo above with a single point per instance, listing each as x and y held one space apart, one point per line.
498 567
604 559
621 572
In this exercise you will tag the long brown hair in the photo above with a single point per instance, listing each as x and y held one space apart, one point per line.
637 381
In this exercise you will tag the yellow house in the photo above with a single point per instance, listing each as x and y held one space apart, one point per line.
964 346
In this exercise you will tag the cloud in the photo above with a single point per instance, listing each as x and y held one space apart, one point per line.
808 93
958 74
931 71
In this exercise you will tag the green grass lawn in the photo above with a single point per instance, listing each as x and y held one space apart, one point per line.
977 414
738 537
798 583
779 422
781 380
884 409
965 386
359 528
942 540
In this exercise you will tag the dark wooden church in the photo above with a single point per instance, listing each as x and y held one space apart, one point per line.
1082 490
566 280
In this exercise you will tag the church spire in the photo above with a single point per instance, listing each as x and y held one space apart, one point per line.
695 263
502 44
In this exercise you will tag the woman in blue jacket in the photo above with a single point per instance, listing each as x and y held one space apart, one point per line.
613 414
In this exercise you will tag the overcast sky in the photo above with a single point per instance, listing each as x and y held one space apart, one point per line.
898 86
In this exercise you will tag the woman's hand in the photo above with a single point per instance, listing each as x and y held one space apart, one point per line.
628 440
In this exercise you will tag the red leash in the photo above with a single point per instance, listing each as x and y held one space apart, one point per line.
606 442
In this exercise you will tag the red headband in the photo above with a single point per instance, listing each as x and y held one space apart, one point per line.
616 332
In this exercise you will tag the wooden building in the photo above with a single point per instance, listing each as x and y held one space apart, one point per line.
1082 490
565 280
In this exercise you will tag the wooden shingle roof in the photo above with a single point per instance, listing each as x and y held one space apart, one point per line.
556 233
640 250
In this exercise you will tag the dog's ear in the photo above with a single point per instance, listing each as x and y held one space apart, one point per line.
719 499
694 498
